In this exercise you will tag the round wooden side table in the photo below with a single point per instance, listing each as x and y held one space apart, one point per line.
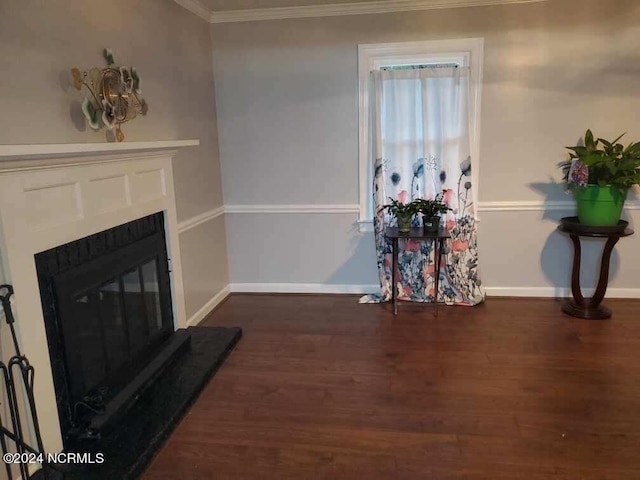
591 308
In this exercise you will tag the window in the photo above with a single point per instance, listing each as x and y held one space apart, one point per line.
430 54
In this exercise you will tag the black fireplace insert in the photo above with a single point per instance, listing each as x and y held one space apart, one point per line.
107 307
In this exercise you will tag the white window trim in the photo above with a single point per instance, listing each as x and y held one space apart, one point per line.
373 57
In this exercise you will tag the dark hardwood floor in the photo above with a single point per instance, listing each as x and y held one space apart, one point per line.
321 387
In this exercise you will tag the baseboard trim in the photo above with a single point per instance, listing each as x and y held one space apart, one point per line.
208 307
524 292
302 288
553 292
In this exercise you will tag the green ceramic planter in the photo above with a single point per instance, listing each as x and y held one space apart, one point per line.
431 224
404 224
599 206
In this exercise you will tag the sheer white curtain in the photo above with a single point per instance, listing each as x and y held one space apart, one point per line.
421 147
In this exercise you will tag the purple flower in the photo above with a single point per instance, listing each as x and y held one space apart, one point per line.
579 173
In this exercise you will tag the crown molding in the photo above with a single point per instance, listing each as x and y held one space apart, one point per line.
197 8
358 8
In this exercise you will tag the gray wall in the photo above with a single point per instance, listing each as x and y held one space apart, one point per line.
287 111
171 48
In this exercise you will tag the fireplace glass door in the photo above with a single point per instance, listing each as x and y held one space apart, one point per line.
111 328
107 305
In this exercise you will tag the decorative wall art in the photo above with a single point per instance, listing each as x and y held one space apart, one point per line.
115 95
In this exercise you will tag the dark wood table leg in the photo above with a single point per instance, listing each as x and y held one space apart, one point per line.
575 273
436 257
394 263
592 310
603 279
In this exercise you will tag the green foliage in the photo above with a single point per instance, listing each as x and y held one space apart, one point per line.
400 210
609 163
431 208
428 208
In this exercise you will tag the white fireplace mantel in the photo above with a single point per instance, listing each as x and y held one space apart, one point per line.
57 193
10 153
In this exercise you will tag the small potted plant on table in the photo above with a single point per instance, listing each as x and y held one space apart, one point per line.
431 211
403 212
600 174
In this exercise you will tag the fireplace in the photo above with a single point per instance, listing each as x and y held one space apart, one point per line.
90 241
106 300
52 196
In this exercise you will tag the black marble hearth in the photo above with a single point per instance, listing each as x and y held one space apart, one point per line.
129 448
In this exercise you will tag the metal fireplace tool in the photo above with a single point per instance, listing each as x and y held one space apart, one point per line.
18 371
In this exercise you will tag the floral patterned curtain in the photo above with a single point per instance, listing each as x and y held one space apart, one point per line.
420 140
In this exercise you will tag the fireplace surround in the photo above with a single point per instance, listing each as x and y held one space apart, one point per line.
51 195
106 301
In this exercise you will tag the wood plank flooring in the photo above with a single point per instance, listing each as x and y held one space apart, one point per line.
321 387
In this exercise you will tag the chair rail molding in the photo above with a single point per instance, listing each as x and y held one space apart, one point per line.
540 206
199 219
348 208
331 10
293 208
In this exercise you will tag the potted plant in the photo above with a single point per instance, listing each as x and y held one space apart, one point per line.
431 211
403 212
600 174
